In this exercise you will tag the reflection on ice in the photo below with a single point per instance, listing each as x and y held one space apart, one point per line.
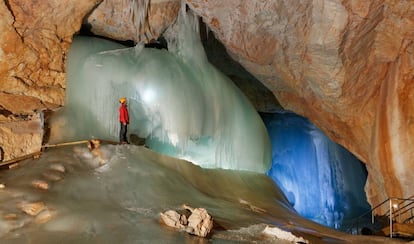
120 201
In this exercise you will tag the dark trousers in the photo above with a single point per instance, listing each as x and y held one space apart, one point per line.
123 133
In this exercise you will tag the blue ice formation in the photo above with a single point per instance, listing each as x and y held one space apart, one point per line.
321 179
177 100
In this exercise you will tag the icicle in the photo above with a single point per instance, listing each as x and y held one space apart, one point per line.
137 12
207 31
139 16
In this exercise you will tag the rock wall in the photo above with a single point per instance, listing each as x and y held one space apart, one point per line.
21 136
122 20
344 64
21 125
34 39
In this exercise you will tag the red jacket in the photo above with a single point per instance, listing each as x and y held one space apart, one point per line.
123 114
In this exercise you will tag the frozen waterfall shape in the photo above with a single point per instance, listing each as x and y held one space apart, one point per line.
177 100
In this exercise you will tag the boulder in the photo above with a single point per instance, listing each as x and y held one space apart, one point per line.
198 222
173 219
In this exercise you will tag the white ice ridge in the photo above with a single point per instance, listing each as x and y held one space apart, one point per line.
177 100
283 235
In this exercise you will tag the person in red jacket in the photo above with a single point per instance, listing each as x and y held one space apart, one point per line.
124 121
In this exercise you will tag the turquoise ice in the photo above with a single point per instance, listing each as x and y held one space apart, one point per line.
177 100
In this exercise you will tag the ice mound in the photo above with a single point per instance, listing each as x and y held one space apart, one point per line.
177 100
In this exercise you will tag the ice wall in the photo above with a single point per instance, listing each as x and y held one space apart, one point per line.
321 179
182 104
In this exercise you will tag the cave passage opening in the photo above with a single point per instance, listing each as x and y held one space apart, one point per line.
322 180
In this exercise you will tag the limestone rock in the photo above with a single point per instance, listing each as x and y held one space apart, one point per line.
52 175
20 136
22 105
116 19
34 40
198 223
43 217
40 184
32 208
94 148
57 167
10 216
173 219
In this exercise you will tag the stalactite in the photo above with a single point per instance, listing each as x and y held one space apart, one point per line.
137 10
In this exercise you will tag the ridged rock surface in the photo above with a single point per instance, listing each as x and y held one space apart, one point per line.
34 39
20 136
120 20
347 65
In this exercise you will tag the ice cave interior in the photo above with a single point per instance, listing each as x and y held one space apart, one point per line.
186 108
205 143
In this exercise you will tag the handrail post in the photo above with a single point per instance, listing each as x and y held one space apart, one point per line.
399 214
357 227
390 217
372 217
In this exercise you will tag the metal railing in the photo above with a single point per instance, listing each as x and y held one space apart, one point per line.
394 210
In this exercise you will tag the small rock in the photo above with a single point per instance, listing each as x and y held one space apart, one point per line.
37 155
11 166
94 147
40 184
43 217
58 167
32 209
173 219
10 216
252 207
52 175
199 222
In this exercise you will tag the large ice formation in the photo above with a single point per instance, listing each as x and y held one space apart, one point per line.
177 100
322 180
